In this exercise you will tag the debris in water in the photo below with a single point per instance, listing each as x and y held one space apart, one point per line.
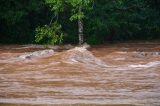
35 54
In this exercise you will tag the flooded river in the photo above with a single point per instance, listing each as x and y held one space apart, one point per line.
115 74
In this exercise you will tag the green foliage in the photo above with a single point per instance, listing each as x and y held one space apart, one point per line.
14 10
18 19
122 20
109 20
78 8
57 6
49 34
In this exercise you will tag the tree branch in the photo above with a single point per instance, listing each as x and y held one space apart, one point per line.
54 16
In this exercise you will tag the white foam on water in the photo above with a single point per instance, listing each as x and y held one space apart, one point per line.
96 101
37 54
148 65
119 59
29 56
80 55
134 66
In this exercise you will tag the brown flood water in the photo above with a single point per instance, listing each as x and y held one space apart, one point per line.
121 74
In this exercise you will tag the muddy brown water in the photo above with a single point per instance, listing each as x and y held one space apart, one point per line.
116 74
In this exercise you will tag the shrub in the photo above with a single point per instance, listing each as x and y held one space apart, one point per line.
49 34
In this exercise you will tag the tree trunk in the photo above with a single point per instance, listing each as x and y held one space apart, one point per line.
80 33
80 30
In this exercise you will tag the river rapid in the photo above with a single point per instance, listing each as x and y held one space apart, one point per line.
116 74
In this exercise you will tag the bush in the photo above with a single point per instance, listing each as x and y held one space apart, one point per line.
49 34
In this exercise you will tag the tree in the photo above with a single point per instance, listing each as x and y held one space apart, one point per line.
78 8
56 20
121 20
51 33
18 19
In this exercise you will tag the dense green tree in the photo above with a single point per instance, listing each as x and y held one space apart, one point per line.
50 21
78 7
122 20
19 18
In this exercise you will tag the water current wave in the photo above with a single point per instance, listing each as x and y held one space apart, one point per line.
28 56
77 55
82 56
